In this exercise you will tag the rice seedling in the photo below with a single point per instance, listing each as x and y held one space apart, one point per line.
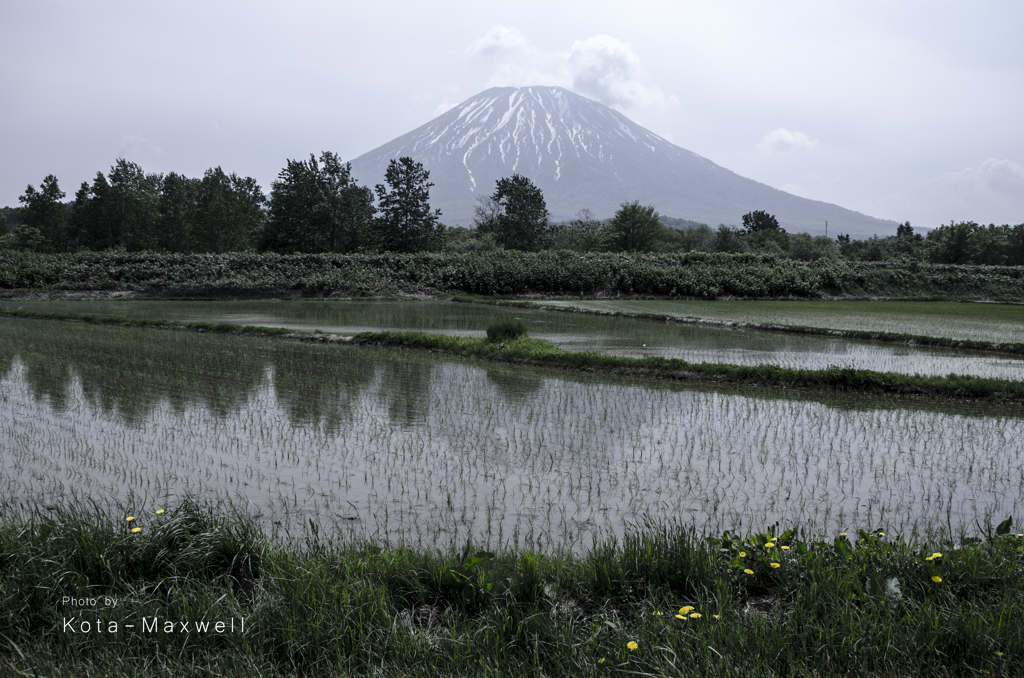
420 450
955 322
696 343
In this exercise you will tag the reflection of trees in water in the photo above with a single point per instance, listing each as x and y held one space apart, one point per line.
7 355
319 386
127 371
514 385
406 389
48 379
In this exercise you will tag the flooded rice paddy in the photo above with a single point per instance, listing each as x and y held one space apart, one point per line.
573 332
997 323
409 448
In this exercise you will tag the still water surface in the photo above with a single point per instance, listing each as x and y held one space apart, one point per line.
572 332
408 448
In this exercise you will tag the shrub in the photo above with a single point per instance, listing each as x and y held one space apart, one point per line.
505 330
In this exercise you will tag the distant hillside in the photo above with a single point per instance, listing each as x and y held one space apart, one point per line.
583 154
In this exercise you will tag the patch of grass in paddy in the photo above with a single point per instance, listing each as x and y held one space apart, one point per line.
982 327
524 349
663 601
534 351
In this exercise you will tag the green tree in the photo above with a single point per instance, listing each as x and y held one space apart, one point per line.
1015 245
698 238
760 221
132 206
989 245
519 215
90 229
805 247
316 206
582 234
229 212
951 244
44 211
346 206
728 240
291 226
634 228
906 242
179 197
406 222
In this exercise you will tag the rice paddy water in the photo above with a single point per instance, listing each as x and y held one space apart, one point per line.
621 336
426 452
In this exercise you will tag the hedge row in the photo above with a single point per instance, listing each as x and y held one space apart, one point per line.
693 274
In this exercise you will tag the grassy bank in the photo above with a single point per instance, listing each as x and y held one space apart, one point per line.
121 321
526 350
690 275
737 314
533 351
663 601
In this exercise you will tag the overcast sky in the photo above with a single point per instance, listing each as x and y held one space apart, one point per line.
906 110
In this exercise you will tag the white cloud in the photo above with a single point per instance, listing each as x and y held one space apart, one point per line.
443 107
992 192
782 141
600 67
500 41
995 176
608 70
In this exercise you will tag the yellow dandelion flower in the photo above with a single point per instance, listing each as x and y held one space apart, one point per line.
631 645
999 654
679 616
686 608
136 529
770 545
160 512
748 571
936 555
785 548
743 554
130 518
601 660
658 614
881 534
937 579
842 534
930 558
775 565
695 615
714 616
1020 535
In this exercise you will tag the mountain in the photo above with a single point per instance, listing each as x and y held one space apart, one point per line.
582 154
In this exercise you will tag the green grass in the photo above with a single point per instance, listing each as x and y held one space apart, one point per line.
505 330
866 605
524 349
227 328
991 327
537 352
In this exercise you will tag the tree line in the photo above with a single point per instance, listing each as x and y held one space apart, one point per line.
316 205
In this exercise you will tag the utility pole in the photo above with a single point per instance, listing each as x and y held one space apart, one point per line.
826 228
